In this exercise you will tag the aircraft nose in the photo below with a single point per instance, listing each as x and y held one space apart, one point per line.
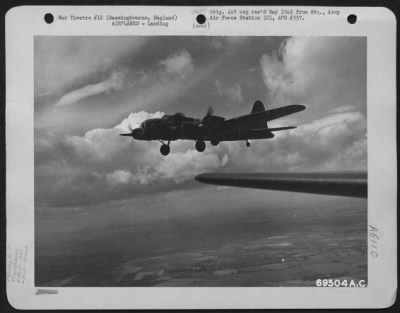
138 133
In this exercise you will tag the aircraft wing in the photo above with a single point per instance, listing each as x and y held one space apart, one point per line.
350 184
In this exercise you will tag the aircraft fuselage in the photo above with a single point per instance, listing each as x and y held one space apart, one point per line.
157 129
213 128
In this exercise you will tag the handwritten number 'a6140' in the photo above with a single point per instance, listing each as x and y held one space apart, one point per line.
373 240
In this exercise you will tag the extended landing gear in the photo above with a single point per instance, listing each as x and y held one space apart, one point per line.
247 143
215 142
200 145
164 149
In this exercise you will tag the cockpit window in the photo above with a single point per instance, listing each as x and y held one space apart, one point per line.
176 116
148 124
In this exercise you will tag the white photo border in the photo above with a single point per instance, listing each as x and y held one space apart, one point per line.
377 24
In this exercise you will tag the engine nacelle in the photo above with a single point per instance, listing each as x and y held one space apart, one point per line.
138 133
213 121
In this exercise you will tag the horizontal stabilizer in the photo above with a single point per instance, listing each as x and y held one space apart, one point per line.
283 111
129 135
275 129
260 119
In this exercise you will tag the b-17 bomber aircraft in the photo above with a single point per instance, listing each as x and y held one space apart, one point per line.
213 128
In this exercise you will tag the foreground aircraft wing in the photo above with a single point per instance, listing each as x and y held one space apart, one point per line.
350 184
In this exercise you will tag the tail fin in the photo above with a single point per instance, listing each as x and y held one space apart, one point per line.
258 107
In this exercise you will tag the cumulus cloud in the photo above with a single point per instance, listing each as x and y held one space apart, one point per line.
119 177
353 157
328 75
181 166
114 82
107 164
327 143
342 109
97 145
134 120
179 63
321 72
102 165
233 93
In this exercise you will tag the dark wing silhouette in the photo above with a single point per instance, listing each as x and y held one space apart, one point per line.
351 184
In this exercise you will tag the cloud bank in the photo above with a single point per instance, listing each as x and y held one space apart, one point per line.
178 63
101 163
322 72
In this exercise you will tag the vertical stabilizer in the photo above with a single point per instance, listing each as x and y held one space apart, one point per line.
258 107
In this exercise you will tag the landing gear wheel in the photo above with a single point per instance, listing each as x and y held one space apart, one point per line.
164 149
247 143
200 146
215 142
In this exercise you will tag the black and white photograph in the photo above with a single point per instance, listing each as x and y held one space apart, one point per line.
127 210
225 157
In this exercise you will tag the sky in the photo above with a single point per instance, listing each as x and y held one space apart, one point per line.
90 89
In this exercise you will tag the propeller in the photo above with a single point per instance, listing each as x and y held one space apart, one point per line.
206 119
210 112
210 120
